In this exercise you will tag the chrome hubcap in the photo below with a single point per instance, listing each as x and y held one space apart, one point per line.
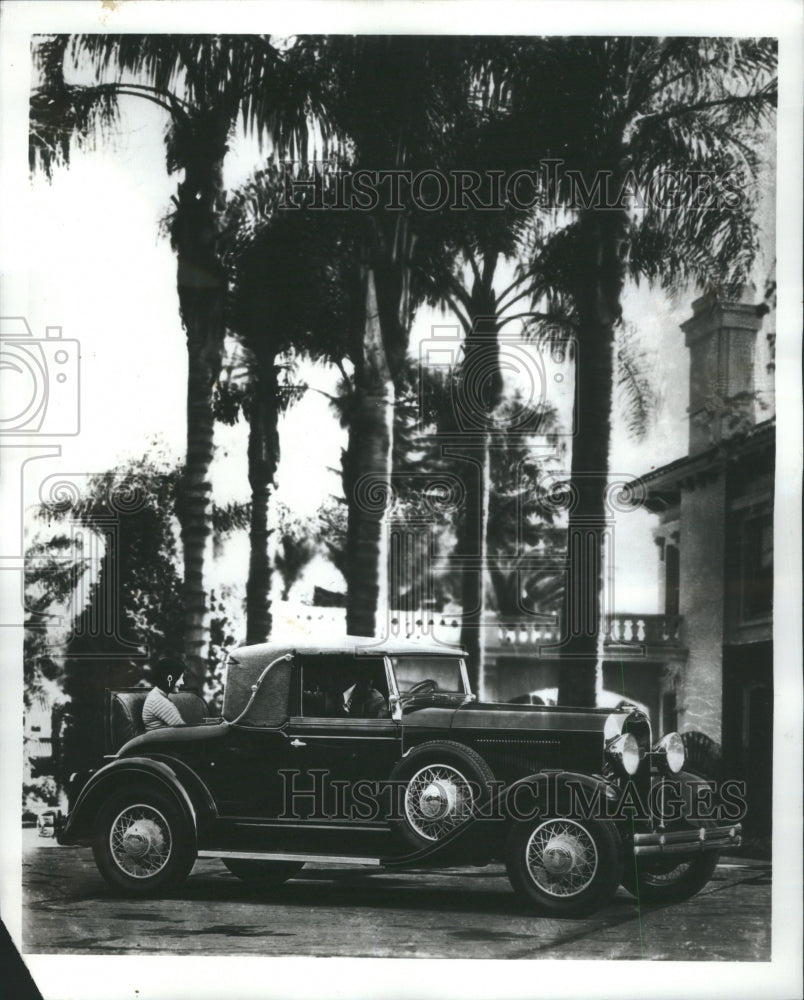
561 857
140 841
437 799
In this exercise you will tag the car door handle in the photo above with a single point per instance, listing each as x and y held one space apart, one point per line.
297 743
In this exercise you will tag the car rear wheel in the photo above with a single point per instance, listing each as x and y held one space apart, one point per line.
263 874
441 784
143 843
564 866
669 880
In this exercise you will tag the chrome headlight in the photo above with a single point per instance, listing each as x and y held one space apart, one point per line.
623 751
672 755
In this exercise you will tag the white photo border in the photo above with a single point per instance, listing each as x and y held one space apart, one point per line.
108 978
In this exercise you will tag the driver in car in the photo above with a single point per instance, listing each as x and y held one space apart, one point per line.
363 701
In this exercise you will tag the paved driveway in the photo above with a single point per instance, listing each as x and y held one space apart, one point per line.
456 913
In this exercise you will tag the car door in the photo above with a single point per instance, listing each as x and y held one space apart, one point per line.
343 742
244 771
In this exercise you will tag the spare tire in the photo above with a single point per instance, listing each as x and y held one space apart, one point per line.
438 786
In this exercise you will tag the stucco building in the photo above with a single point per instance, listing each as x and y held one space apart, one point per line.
714 536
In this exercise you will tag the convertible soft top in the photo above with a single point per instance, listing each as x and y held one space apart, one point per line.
360 645
248 666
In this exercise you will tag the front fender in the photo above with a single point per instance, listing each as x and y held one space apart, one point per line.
112 777
543 794
559 793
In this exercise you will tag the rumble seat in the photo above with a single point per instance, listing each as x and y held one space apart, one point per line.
124 714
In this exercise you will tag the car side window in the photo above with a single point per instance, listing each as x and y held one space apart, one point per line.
342 686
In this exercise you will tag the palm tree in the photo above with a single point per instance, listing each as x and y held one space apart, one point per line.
458 267
522 534
259 383
622 114
294 292
467 288
391 99
205 86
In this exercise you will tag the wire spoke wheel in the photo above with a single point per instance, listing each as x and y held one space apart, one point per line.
669 876
437 787
438 798
561 858
144 843
563 866
666 880
140 841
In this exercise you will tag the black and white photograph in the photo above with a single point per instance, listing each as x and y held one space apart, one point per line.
400 428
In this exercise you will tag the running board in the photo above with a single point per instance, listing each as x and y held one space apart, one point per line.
331 859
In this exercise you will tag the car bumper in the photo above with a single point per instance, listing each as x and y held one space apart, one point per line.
59 823
711 838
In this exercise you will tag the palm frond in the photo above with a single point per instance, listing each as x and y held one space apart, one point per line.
635 393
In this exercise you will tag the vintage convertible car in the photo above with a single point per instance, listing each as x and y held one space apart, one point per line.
379 754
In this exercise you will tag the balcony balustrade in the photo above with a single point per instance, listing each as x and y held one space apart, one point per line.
627 632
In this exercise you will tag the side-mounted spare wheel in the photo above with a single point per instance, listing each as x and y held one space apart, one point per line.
143 843
438 786
563 866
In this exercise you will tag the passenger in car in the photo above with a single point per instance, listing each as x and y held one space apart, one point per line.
158 710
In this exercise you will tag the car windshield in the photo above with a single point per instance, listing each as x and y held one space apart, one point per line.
434 673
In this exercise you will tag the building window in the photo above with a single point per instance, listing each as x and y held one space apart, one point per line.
756 570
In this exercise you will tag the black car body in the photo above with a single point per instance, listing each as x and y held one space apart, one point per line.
379 754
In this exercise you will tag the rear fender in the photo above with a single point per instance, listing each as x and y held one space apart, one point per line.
112 778
201 798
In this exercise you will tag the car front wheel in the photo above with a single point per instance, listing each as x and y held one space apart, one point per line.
143 843
669 880
564 866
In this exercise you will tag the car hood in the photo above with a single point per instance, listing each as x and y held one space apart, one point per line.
498 715
455 712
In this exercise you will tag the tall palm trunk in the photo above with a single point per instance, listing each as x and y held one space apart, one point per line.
480 394
201 289
600 278
263 458
367 474
472 550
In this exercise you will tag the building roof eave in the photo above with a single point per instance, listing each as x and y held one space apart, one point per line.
663 486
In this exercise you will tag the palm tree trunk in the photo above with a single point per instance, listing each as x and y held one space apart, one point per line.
600 278
367 476
201 289
472 550
263 458
480 394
